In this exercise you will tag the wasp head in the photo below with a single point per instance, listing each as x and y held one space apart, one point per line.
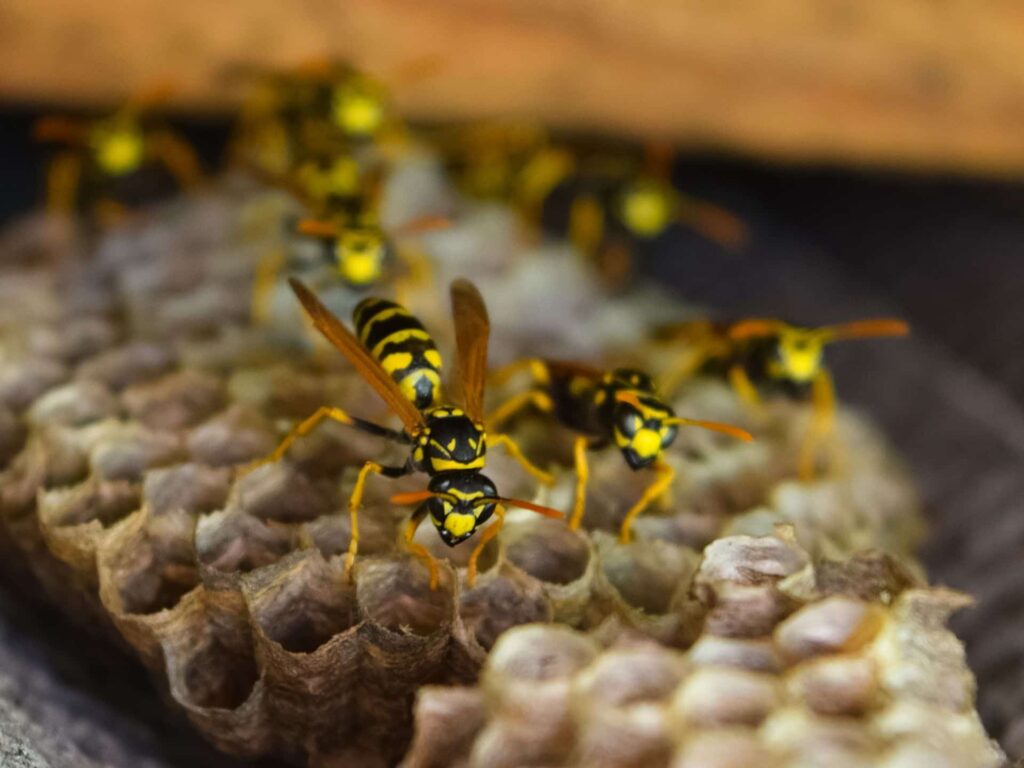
462 502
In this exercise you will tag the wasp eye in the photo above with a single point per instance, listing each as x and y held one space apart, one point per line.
668 435
629 422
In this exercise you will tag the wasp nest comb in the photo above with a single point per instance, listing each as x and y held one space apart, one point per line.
837 663
131 387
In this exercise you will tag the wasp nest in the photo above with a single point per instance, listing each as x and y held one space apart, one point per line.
837 663
132 385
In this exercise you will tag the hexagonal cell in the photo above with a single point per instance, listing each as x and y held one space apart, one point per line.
501 601
396 594
175 401
280 492
231 541
301 602
130 364
127 453
103 501
236 435
192 488
151 564
75 404
546 549
23 381
216 677
647 575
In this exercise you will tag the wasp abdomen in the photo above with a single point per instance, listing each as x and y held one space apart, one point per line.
402 346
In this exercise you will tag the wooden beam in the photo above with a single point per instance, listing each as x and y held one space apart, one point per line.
902 83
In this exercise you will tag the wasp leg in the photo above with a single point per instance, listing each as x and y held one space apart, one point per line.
355 502
823 402
654 490
579 452
267 271
62 180
536 367
586 225
417 549
488 533
682 371
744 387
540 400
544 478
178 157
419 273
311 423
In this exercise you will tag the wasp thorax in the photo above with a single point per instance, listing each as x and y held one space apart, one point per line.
453 442
465 501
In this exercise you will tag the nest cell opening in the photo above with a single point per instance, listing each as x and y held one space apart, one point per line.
547 550
216 677
396 594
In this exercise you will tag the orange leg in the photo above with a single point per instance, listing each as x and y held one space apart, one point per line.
655 490
823 403
62 180
355 501
417 549
582 475
488 533
178 157
544 478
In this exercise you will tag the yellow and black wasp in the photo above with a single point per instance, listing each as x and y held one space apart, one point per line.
398 358
619 408
361 253
618 205
758 355
114 161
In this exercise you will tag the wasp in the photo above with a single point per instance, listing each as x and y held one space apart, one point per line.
397 357
616 207
762 355
619 407
108 158
359 250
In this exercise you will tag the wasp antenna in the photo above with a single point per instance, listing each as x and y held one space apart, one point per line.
316 228
411 497
754 328
629 398
714 426
863 329
523 504
58 129
424 224
714 223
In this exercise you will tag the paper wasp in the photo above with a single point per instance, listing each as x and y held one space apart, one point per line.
758 355
360 251
395 355
110 160
619 408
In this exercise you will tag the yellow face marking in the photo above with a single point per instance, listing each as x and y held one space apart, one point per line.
360 257
800 356
119 149
397 338
358 107
646 209
459 524
646 443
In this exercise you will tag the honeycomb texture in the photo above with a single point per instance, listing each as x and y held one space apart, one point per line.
132 384
801 663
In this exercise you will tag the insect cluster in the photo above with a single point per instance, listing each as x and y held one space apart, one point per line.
233 476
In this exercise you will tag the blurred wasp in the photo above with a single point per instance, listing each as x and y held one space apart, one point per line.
619 408
758 355
319 109
394 353
618 205
361 253
112 160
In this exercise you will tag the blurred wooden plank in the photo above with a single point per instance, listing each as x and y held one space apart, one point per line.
907 83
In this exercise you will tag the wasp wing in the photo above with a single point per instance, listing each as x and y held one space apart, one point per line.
346 343
472 330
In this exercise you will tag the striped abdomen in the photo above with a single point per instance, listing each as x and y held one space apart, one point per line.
402 346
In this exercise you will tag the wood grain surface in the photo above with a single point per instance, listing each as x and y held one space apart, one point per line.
935 84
